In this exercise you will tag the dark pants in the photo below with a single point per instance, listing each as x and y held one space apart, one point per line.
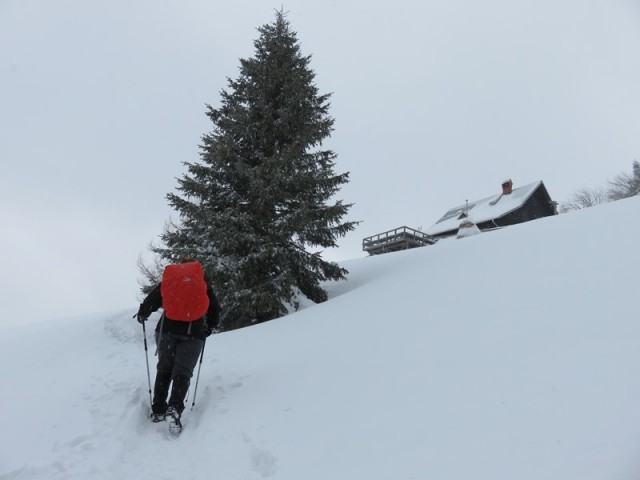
177 357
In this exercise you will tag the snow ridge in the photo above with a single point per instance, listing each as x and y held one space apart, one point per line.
511 354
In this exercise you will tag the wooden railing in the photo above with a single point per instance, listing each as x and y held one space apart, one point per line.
400 238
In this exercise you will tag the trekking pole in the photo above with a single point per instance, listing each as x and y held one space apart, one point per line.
195 390
146 356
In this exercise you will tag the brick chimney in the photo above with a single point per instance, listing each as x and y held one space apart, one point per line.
507 187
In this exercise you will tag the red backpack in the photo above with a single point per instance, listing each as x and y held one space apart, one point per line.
184 292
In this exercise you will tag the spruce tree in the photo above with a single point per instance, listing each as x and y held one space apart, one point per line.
261 194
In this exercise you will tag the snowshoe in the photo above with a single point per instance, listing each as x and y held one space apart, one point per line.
158 417
175 426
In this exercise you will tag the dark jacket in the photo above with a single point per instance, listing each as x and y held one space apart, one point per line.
199 328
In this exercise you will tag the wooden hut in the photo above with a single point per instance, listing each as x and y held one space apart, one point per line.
512 206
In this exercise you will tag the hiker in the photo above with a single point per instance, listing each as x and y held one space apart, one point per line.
190 314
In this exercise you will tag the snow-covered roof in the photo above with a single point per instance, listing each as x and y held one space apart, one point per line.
488 208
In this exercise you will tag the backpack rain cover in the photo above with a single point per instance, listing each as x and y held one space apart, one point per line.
184 292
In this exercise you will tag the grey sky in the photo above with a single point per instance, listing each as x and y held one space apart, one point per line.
435 102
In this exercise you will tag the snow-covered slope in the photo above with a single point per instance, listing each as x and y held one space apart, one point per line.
508 355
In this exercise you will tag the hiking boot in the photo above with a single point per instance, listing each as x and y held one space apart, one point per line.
175 426
158 417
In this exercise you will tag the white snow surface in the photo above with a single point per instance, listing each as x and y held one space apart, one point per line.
513 354
467 228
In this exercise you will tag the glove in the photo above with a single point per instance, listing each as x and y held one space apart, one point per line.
208 330
141 317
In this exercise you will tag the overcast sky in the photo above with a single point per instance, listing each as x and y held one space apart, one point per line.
435 102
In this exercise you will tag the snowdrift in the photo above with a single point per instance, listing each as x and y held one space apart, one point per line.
513 354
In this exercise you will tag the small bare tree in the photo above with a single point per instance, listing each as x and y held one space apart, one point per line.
625 184
151 274
585 198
